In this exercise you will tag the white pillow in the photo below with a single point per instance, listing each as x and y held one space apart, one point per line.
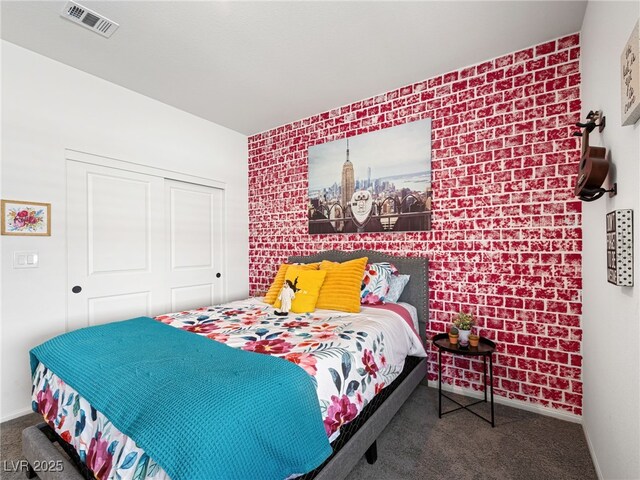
396 286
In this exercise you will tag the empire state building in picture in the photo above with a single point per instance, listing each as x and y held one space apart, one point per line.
348 182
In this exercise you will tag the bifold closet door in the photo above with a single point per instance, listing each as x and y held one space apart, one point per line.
116 245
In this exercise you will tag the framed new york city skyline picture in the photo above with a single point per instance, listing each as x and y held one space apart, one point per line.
374 182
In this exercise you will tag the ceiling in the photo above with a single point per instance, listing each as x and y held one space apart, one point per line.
251 66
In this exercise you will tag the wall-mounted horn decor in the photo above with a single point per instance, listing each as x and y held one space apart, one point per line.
594 166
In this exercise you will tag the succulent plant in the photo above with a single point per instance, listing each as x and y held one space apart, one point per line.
473 336
453 331
464 321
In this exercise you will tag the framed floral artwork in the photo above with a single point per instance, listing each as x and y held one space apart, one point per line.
26 218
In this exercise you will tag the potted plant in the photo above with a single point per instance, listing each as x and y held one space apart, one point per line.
474 340
453 336
464 322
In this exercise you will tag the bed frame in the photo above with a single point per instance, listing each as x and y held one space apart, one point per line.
359 437
356 439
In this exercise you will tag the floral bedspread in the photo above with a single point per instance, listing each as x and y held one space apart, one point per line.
108 452
350 357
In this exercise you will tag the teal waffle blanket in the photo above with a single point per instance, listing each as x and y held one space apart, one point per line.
200 409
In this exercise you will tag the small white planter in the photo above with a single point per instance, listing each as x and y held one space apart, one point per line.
463 337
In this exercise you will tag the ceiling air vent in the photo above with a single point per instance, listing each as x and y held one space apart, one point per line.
89 19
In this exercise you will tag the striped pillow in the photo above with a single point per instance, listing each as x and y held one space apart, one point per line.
341 288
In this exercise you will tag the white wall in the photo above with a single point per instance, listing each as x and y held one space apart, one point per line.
610 320
47 107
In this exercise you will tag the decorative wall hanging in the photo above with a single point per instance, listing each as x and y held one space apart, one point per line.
620 247
26 218
375 182
630 78
594 166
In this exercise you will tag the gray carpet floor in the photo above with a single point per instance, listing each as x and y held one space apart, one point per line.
418 445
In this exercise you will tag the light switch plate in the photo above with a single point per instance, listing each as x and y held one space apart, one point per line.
26 259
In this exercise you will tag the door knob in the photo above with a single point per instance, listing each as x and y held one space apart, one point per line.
218 275
76 289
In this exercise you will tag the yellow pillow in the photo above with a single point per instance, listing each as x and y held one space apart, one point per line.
278 282
307 285
276 285
311 266
341 288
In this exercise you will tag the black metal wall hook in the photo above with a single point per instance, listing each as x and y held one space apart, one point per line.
589 126
589 195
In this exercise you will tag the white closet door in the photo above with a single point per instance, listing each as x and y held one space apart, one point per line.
194 226
116 245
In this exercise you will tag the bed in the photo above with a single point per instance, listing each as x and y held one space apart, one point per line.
356 438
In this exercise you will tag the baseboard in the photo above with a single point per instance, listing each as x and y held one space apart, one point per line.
14 415
549 412
594 458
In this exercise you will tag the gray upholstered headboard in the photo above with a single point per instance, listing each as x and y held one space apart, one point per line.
417 290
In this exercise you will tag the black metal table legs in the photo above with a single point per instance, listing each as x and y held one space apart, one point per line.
439 383
466 407
493 423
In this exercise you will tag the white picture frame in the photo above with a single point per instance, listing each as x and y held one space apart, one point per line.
630 78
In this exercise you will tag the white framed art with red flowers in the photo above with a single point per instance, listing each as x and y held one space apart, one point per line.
26 218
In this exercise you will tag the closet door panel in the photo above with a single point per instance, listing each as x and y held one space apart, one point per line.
195 233
116 247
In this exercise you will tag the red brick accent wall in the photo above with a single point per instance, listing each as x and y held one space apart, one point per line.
506 240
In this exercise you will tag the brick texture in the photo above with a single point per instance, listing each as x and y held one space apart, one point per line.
506 240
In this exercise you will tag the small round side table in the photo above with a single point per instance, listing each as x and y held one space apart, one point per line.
484 349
